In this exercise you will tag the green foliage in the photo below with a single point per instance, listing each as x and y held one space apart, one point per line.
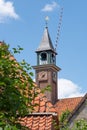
63 119
46 89
55 124
16 86
64 116
80 124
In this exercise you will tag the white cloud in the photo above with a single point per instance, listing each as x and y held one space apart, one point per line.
67 88
50 7
7 11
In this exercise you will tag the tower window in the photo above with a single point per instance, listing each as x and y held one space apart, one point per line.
53 58
43 56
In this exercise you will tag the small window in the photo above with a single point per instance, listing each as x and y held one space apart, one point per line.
53 58
43 56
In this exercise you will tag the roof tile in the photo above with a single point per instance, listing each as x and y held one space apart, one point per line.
43 105
43 122
67 104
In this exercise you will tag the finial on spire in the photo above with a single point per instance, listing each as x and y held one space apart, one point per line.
46 20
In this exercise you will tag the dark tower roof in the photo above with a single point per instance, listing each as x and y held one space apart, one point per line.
46 43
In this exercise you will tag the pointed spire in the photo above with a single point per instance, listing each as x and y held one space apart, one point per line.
46 43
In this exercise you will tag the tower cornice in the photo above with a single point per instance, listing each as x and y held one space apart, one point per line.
47 66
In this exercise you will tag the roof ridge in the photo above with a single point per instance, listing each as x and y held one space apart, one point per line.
70 98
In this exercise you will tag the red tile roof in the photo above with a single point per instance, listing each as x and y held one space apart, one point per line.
67 104
43 105
43 121
37 122
42 116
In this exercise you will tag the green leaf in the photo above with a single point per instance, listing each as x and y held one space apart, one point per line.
17 85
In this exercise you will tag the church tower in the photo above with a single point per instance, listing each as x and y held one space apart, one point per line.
46 70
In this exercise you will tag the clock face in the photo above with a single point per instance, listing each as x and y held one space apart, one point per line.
42 75
54 76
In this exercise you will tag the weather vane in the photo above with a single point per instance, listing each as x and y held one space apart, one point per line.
46 20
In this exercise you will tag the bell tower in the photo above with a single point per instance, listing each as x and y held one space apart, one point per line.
46 70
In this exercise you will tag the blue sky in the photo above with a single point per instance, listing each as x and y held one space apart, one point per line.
22 23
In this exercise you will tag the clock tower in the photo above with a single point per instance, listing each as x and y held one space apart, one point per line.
46 70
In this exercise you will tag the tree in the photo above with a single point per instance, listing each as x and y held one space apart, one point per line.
16 88
80 125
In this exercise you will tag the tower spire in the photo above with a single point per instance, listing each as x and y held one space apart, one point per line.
46 43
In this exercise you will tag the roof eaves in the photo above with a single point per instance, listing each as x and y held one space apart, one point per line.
43 113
